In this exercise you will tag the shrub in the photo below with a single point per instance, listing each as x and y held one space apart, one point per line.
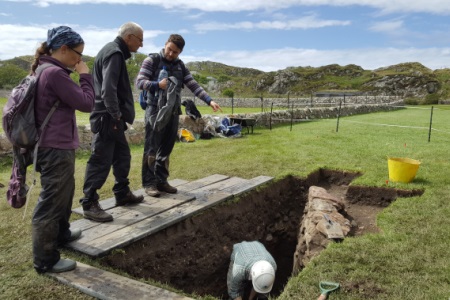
431 99
228 93
412 101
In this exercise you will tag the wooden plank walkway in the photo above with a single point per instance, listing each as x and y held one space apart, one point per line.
134 222
109 286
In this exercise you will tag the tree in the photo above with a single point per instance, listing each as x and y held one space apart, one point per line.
11 75
200 79
228 93
134 65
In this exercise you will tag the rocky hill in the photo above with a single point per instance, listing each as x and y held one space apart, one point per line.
409 80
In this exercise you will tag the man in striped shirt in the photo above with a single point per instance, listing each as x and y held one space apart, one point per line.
251 271
159 144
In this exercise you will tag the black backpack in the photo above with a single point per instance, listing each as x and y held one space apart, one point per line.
20 128
19 121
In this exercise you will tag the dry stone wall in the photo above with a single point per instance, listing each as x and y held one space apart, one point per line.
135 133
313 236
325 100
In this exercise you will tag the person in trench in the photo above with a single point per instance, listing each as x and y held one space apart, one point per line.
251 272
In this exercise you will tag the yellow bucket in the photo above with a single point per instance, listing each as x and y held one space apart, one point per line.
402 169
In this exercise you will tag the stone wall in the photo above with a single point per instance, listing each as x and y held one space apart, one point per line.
315 231
314 113
266 103
135 133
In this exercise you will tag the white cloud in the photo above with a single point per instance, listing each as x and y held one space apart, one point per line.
18 40
387 26
388 6
301 23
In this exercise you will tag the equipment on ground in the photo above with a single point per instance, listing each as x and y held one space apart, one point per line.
326 287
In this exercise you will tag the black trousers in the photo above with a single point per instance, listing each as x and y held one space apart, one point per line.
158 147
107 150
50 224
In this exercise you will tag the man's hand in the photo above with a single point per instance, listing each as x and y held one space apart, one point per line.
163 84
215 106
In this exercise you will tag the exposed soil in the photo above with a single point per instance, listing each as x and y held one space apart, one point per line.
194 254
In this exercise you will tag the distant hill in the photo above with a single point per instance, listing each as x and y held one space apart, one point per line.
410 80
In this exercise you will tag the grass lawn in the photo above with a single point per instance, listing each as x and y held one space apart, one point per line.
408 259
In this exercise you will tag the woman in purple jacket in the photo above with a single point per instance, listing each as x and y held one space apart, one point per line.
56 155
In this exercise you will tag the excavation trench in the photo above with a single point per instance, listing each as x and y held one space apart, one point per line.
194 254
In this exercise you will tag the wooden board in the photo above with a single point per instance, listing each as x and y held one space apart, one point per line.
111 202
106 285
134 222
247 185
193 185
103 245
221 185
124 216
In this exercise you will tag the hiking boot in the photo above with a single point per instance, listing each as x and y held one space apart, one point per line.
152 191
63 265
166 187
130 198
74 234
93 211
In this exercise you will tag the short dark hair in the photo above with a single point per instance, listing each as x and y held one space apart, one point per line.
177 40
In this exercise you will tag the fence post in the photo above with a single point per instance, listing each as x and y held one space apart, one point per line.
232 105
339 114
292 115
270 117
431 121
288 100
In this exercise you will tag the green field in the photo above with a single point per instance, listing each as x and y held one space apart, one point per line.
408 259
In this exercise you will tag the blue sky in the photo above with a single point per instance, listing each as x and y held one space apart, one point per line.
259 34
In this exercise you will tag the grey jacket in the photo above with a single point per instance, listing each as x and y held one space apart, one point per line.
169 104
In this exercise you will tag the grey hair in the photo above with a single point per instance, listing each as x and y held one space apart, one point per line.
129 28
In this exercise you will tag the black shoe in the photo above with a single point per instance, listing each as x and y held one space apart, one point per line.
130 198
93 211
165 187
